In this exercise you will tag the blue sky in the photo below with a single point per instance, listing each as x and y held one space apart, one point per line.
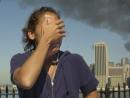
80 37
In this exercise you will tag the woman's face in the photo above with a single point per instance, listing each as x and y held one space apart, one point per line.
55 45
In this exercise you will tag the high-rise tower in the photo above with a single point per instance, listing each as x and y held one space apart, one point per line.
101 63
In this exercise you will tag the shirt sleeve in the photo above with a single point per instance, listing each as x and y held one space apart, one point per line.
88 82
16 62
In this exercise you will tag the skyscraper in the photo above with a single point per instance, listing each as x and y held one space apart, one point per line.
101 63
124 61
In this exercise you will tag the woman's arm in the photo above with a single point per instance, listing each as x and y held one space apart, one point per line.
26 75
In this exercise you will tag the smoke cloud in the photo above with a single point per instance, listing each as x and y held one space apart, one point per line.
111 14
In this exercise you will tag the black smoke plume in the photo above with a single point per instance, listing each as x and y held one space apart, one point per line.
111 14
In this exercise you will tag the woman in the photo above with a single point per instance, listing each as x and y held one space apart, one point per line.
44 71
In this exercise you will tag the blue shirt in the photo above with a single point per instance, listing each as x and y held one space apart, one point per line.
72 75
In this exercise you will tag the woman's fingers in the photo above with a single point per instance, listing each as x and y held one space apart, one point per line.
54 30
59 22
61 26
60 36
61 30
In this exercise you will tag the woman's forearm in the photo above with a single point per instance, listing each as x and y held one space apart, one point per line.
28 73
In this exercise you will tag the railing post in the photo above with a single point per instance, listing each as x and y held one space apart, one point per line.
107 91
129 92
101 92
128 83
118 90
0 92
113 94
13 93
124 86
6 91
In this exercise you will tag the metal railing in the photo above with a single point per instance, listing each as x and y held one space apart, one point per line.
114 92
8 92
107 92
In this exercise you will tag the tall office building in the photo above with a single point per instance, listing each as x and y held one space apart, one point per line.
124 61
101 63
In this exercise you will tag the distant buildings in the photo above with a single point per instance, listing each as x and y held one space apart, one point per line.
119 74
106 71
101 63
115 75
9 86
124 61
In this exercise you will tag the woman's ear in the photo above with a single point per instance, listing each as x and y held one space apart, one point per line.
31 35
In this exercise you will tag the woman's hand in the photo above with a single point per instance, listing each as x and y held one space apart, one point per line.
52 31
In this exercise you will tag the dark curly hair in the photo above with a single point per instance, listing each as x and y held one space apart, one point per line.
32 22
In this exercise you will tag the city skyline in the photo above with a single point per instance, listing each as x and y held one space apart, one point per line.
107 72
80 36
